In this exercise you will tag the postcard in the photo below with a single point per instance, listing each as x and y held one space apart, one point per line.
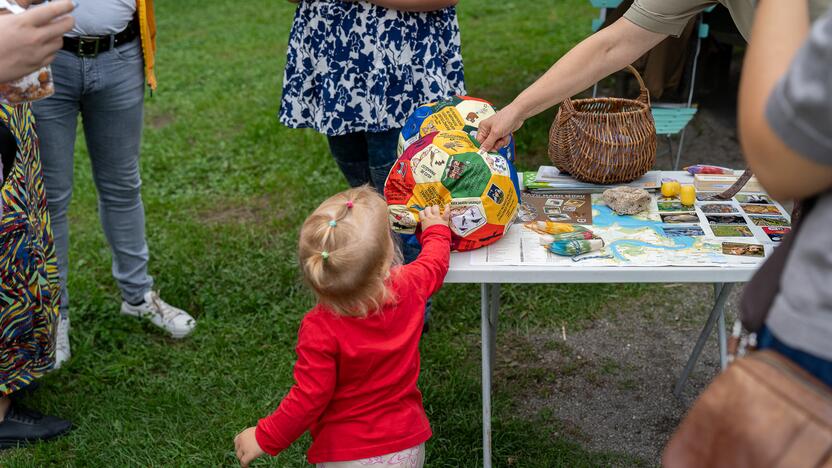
721 208
717 219
683 231
776 233
672 206
745 250
760 209
731 230
679 218
705 196
753 198
769 220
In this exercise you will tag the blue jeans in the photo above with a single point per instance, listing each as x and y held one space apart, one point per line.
365 157
108 92
820 368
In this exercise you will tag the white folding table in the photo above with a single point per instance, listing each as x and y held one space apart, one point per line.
491 277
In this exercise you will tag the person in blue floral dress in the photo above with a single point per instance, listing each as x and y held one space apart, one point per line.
356 70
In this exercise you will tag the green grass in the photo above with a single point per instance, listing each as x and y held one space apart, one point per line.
225 189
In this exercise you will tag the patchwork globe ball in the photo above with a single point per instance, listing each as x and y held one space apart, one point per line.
448 169
463 113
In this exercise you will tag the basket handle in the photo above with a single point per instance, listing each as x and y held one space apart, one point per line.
567 110
644 94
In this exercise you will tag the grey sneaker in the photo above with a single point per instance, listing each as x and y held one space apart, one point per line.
62 350
175 321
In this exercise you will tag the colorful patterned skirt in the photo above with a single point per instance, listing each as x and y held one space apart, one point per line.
29 286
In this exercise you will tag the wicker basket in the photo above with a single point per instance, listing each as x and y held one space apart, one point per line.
605 140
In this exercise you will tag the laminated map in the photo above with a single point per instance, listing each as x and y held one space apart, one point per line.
653 238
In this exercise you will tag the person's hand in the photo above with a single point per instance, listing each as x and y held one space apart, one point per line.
247 448
495 131
433 215
28 3
30 40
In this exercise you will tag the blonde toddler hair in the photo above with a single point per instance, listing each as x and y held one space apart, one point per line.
346 250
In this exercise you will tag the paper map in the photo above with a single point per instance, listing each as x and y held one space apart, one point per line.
639 240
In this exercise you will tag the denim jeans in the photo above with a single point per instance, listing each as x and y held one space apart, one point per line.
365 157
820 368
108 92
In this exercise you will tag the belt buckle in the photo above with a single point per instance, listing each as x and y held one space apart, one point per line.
87 40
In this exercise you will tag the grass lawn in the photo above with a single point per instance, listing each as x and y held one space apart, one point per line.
225 189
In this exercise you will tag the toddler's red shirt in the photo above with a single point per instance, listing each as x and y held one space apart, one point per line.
355 378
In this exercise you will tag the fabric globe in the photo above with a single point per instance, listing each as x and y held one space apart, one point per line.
448 168
463 113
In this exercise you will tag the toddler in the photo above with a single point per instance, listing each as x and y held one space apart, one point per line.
358 348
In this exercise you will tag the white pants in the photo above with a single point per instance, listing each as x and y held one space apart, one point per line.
413 457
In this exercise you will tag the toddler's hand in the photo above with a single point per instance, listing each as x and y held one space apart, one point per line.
432 215
247 448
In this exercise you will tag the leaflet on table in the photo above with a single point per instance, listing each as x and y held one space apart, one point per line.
651 238
573 208
552 181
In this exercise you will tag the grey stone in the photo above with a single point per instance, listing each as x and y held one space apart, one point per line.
626 200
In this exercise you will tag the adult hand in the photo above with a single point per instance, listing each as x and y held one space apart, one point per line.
247 448
495 131
27 3
433 215
30 40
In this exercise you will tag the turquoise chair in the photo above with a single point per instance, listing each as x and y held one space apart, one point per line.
673 119
602 5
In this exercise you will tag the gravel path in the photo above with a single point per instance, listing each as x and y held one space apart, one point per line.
609 385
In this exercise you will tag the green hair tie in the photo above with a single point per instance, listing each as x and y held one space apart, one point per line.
325 255
333 223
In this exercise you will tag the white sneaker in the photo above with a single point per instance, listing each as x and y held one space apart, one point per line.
62 351
175 321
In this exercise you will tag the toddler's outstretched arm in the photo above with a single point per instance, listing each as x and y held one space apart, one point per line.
429 269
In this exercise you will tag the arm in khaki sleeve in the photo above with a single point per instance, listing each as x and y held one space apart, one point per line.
780 27
597 56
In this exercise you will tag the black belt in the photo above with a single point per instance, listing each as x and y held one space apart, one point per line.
90 46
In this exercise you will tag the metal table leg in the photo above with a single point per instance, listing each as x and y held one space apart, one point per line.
723 341
722 338
716 313
489 308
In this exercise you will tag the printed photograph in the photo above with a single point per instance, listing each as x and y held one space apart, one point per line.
731 230
705 196
776 233
769 220
753 198
760 209
680 218
721 208
715 219
672 206
683 231
744 250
